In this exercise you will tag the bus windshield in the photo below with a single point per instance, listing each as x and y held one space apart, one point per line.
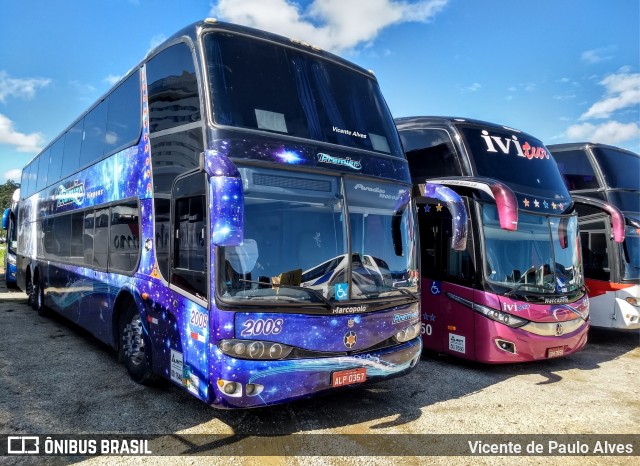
620 168
631 254
285 91
297 242
517 159
541 256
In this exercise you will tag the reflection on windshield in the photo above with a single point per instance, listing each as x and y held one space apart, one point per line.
631 254
541 256
296 246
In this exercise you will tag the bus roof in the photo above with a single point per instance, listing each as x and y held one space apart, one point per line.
585 145
413 122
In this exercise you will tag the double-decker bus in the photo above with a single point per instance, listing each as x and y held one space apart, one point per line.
9 224
515 292
602 179
234 216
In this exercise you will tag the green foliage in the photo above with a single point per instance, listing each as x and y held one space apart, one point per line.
6 191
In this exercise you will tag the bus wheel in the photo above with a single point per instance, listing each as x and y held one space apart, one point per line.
37 298
133 346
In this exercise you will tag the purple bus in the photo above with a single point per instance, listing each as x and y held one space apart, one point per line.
233 216
515 291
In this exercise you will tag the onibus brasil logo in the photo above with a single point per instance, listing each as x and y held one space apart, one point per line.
74 193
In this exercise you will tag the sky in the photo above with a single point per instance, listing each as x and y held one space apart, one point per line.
561 70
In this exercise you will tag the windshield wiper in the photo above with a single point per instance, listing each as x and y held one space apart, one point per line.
391 288
311 291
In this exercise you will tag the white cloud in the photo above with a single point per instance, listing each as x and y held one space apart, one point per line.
473 87
335 25
112 79
14 174
20 87
611 132
23 142
598 55
622 90
156 40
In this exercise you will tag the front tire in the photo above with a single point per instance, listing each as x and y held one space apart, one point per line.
37 300
133 346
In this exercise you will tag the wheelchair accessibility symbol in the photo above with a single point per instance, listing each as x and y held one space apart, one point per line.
435 288
342 291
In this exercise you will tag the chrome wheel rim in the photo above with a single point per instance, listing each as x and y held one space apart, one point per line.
132 341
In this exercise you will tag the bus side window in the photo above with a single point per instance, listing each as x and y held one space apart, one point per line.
189 270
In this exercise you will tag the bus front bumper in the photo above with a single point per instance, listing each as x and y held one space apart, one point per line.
262 383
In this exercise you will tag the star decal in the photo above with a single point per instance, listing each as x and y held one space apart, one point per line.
561 206
545 204
439 207
536 203
526 202
553 205
427 208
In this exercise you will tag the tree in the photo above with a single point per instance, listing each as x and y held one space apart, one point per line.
6 192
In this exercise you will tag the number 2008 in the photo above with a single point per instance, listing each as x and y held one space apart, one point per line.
262 327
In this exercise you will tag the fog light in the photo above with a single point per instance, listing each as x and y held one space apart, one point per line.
632 301
507 346
253 389
230 388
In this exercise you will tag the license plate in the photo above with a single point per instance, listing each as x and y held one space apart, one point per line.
555 352
348 377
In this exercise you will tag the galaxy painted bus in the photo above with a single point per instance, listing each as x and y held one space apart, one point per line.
515 292
603 180
9 224
183 219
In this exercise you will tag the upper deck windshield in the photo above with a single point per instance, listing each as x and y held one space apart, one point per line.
297 242
620 168
520 161
263 86
542 256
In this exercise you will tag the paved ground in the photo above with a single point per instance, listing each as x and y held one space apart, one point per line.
56 378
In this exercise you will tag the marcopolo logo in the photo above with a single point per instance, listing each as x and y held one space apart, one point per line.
326 158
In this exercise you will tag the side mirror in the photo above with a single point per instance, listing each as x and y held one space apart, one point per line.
456 207
227 199
5 218
617 218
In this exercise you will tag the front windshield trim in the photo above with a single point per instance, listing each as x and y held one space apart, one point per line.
506 288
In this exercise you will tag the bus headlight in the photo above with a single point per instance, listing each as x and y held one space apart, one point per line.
254 349
633 301
499 316
408 333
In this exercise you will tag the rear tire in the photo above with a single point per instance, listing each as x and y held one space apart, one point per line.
133 346
38 298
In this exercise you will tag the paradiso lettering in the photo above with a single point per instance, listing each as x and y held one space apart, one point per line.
504 144
66 196
326 158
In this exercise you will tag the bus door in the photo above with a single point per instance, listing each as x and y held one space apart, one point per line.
447 278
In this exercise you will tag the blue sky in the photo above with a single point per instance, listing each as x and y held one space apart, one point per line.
562 70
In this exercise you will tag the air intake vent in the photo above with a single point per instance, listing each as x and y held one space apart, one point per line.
288 182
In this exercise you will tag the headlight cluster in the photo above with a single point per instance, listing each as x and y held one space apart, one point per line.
408 333
254 349
499 316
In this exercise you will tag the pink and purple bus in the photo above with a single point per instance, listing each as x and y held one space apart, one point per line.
515 291
604 180
234 216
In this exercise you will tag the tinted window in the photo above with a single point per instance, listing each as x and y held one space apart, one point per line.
517 159
33 176
259 85
95 124
190 250
620 168
76 242
43 168
430 153
101 238
55 164
595 254
576 170
123 123
172 155
173 89
87 239
125 234
72 143
24 184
